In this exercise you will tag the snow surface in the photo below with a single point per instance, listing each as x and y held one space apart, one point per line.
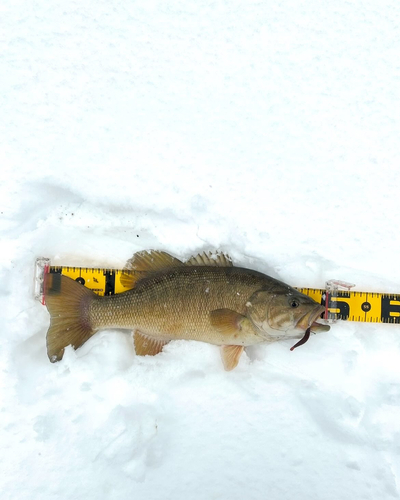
269 130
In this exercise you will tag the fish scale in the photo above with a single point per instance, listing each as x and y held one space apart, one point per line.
177 303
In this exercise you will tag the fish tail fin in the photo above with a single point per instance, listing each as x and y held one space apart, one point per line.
68 303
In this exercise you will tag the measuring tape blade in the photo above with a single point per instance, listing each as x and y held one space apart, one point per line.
367 307
345 305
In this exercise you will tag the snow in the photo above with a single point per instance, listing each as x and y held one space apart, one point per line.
269 130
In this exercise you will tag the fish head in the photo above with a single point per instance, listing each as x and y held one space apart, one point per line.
284 312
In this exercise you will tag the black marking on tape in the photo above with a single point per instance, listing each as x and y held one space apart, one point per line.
344 307
55 287
387 308
366 306
110 282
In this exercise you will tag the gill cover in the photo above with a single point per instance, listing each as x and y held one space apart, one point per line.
280 311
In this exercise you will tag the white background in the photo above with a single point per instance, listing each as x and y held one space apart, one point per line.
269 130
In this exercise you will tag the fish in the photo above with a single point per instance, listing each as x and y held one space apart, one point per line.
205 299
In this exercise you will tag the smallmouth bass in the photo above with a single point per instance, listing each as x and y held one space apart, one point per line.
205 299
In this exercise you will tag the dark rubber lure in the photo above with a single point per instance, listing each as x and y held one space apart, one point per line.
303 340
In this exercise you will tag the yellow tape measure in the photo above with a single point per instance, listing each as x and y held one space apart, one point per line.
345 305
369 307
100 281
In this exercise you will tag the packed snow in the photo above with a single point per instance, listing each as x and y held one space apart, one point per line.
268 130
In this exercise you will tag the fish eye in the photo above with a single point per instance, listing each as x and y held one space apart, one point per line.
294 303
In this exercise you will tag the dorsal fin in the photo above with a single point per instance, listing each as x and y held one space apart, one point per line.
217 259
146 261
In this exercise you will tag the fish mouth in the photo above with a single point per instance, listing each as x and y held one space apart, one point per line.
308 323
309 320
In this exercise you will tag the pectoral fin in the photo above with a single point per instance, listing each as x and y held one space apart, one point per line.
227 321
146 345
230 355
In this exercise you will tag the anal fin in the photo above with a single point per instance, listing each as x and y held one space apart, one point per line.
145 345
230 355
